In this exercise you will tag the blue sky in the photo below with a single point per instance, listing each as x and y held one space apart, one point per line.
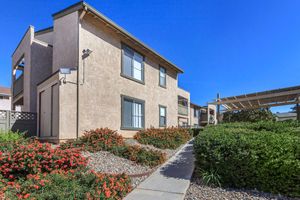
226 46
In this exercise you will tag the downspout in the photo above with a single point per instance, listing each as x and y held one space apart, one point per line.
78 67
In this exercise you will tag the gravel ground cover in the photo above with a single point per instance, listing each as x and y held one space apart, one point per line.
169 152
199 191
107 162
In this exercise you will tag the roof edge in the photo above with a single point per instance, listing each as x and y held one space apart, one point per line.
44 30
81 5
29 27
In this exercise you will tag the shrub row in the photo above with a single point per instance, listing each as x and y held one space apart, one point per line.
58 184
167 138
255 156
36 158
37 171
104 139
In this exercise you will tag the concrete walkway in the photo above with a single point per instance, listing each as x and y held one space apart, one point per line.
170 181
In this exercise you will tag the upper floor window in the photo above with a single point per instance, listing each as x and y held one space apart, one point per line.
133 64
162 76
162 116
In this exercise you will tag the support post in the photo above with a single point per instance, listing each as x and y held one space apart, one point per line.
218 107
298 111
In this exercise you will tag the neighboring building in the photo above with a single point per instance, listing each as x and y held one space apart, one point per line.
86 72
208 115
5 98
195 114
286 116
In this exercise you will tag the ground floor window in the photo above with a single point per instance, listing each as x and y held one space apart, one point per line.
162 116
132 113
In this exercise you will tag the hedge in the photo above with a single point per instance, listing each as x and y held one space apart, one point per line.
263 156
104 139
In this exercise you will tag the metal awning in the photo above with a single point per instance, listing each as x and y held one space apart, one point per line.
265 99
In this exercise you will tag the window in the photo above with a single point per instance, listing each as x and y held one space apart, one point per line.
196 113
132 113
4 97
162 76
132 64
162 116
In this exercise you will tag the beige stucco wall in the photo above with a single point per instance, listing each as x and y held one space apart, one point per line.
45 37
48 86
41 68
65 54
194 120
24 49
65 42
38 64
100 94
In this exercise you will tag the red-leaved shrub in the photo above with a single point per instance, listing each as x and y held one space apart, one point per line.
167 138
104 139
101 139
36 158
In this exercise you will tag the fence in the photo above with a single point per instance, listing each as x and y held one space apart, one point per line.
18 121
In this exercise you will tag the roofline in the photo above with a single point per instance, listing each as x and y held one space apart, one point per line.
45 30
83 5
263 92
5 94
30 26
195 105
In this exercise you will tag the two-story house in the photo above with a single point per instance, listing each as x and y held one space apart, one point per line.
86 72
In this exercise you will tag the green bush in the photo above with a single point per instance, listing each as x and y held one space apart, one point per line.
195 131
253 115
263 156
167 138
10 139
10 136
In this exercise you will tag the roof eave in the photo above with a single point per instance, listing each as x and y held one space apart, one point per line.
81 5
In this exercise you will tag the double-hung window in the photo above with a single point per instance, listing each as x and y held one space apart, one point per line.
132 113
162 116
162 77
133 64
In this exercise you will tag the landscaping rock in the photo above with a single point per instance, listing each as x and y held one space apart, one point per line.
107 162
199 191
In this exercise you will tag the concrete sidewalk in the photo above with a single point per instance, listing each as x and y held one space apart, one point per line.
170 181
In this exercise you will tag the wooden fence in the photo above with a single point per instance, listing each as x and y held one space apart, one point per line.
18 121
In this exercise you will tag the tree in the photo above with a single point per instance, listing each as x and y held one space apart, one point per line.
253 115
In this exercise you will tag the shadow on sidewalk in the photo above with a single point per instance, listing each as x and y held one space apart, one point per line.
182 166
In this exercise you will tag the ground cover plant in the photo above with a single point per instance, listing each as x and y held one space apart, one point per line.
8 139
167 138
34 170
104 139
67 185
262 155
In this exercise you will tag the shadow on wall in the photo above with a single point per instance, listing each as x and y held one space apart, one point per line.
182 163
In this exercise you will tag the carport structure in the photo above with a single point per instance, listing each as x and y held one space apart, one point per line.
265 99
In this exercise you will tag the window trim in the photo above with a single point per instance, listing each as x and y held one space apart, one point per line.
159 107
159 83
123 45
123 97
